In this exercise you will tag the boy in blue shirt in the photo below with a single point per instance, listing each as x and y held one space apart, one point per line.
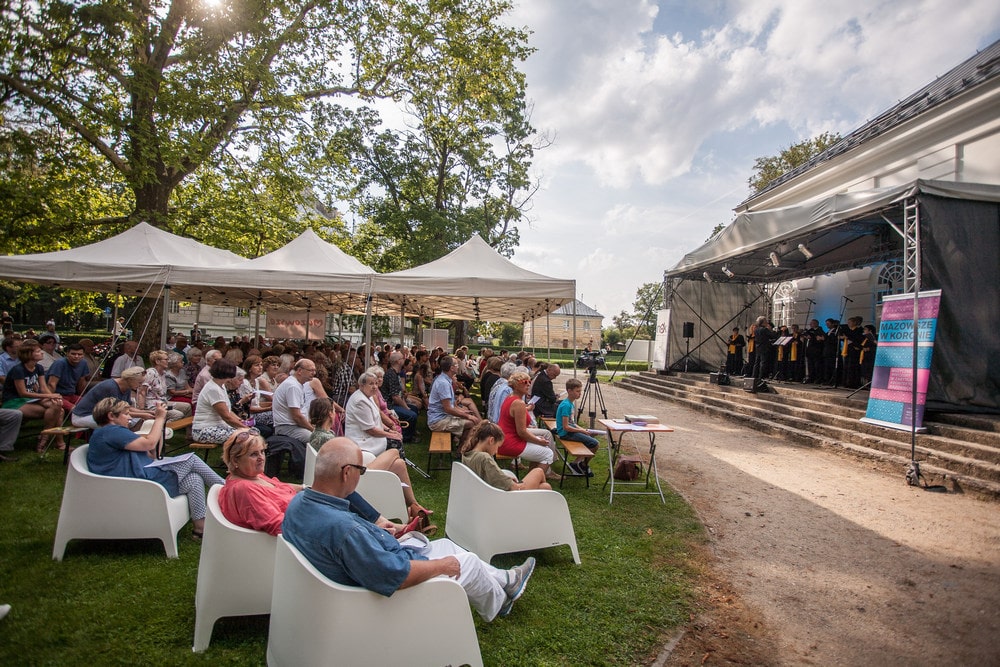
567 429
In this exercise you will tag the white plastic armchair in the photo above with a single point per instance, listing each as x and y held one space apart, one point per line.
380 488
315 621
115 508
234 573
488 521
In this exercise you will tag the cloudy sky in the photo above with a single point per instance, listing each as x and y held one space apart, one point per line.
657 111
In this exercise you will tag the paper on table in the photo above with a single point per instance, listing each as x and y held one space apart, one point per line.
629 427
169 459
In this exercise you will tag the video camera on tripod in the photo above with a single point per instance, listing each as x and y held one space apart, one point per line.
590 360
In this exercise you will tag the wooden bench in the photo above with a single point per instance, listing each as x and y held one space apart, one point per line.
67 431
178 424
204 448
515 459
569 448
440 446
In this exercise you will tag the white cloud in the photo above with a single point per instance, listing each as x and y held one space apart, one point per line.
656 130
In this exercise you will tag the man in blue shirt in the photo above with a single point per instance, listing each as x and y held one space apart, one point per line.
355 552
8 358
443 413
68 376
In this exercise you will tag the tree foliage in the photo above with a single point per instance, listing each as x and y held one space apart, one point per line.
225 121
648 300
767 169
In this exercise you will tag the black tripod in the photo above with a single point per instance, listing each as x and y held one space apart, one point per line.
592 399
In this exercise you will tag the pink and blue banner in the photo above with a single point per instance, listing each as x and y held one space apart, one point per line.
890 401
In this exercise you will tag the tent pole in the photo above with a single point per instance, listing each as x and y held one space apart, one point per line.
548 331
114 317
256 326
368 329
402 321
166 313
574 331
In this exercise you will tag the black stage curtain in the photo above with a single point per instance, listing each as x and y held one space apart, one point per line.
960 243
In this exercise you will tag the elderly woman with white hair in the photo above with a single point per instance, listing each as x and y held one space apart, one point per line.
153 389
363 417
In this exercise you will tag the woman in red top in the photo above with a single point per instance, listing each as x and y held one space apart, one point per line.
253 500
530 444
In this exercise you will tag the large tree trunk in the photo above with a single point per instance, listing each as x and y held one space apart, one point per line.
151 203
147 324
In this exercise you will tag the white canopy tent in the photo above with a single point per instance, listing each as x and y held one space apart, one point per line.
127 263
474 282
471 283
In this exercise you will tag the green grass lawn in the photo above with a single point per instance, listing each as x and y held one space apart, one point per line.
124 602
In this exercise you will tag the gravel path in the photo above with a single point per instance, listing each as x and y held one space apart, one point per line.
836 563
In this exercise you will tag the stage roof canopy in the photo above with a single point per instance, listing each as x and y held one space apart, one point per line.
842 231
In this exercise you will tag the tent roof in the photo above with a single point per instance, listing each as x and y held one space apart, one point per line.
130 262
474 282
307 272
841 231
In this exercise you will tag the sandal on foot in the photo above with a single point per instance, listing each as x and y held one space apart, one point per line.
415 510
196 535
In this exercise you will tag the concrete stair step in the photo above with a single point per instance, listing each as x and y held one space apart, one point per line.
975 435
943 463
818 418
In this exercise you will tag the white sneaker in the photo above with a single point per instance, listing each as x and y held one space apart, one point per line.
4 610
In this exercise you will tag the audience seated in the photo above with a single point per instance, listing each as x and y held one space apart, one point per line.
214 420
153 389
480 457
203 377
500 391
10 426
354 552
68 376
118 452
395 396
288 405
119 388
24 389
50 350
443 412
178 389
567 429
535 445
323 414
542 388
129 357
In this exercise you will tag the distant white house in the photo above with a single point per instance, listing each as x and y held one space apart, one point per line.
556 329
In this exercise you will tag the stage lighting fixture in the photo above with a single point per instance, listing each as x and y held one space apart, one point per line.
805 251
774 259
707 277
729 272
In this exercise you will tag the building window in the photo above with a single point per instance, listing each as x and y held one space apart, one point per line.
784 304
586 325
242 312
175 307
890 281
565 325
